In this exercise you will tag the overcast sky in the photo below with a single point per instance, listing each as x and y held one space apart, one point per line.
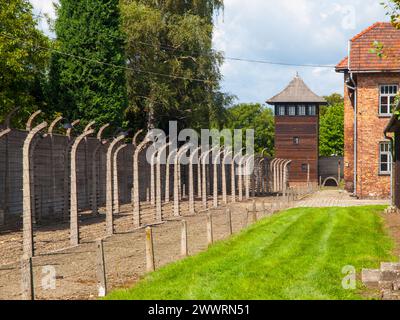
289 31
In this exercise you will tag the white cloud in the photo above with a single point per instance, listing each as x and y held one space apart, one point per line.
293 31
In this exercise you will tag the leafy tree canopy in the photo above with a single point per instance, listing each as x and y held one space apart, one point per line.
332 131
23 60
173 71
333 99
83 88
254 116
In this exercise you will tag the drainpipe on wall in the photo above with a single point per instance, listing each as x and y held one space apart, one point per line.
354 88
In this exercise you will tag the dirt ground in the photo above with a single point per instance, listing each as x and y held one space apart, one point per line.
124 252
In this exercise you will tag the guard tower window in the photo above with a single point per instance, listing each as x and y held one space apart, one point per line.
292 110
302 110
281 110
296 140
312 110
304 167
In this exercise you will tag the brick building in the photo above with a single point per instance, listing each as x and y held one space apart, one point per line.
371 82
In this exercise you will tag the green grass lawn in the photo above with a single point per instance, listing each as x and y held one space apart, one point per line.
297 254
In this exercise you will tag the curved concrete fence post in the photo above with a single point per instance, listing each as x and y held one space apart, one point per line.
116 208
191 181
215 178
135 137
279 175
272 175
285 176
109 186
100 143
52 197
4 132
223 173
31 119
248 173
152 177
67 169
135 144
7 121
36 215
280 183
158 183
263 171
199 175
276 174
261 188
136 196
27 236
87 164
89 126
171 156
204 180
241 177
73 124
74 223
177 163
53 125
204 176
233 175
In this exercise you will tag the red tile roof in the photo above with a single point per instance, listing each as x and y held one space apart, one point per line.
361 59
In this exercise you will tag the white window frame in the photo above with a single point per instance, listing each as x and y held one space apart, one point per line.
292 111
281 110
384 150
388 91
302 110
312 110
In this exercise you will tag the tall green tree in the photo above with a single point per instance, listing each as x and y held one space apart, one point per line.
332 131
173 71
92 87
23 60
256 117
332 100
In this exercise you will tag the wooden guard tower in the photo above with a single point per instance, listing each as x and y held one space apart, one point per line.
297 130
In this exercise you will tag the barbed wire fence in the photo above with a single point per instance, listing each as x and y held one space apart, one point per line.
115 216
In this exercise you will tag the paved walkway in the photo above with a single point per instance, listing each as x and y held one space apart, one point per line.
337 198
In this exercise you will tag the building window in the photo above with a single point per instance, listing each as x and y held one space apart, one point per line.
281 110
302 110
387 99
385 158
304 167
312 110
296 140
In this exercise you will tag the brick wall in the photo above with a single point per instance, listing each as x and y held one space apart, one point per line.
370 133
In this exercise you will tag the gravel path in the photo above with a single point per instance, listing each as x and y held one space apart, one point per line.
337 198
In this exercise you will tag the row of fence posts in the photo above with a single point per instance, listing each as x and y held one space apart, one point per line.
279 173
252 216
